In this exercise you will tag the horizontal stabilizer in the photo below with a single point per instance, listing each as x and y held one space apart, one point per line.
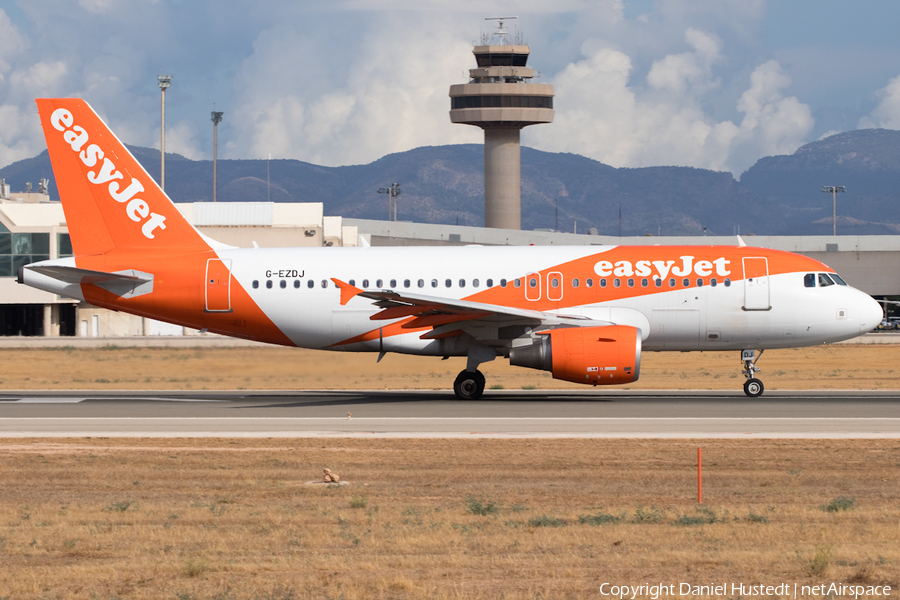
126 284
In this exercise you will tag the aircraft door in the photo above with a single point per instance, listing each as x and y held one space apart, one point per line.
533 286
218 285
554 286
756 283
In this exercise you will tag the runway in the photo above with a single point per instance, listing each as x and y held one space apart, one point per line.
522 414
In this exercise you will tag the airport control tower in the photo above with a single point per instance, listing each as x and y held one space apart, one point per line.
500 100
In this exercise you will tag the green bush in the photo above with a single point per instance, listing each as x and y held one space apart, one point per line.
481 507
599 519
839 504
545 521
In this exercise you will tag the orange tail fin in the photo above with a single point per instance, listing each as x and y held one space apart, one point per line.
109 199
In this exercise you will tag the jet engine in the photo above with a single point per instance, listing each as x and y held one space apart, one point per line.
595 355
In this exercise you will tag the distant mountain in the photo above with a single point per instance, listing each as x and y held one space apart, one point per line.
866 162
445 184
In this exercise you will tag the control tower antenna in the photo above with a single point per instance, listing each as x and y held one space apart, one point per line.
500 99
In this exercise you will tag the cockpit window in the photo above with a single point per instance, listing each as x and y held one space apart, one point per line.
825 280
809 280
837 279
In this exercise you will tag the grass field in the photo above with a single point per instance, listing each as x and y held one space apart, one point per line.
819 367
515 519
223 519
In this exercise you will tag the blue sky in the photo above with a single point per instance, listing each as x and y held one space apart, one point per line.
705 83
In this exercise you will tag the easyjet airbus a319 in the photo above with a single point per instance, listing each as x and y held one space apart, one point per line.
583 313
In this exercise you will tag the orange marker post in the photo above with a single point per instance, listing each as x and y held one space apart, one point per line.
700 475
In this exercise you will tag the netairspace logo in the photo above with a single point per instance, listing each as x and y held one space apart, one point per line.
730 590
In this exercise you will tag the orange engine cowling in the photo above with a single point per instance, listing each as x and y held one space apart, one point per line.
594 355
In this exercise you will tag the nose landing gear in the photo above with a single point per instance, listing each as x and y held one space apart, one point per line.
753 387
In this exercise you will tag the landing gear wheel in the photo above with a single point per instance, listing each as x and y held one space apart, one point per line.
753 387
469 385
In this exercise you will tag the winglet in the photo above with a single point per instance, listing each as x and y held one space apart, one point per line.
741 243
348 292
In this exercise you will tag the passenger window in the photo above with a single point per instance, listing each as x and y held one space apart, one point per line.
434 283
378 283
630 282
602 282
825 280
503 283
699 282
365 283
269 284
589 282
532 283
406 283
658 282
474 283
310 284
686 282
324 284
462 283
296 284
554 282
727 282
713 282
644 283
283 284
352 282
255 284
671 282
490 283
448 283
421 283
617 282
809 280
575 283
517 283
393 283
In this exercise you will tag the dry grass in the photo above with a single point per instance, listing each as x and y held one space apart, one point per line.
819 367
220 519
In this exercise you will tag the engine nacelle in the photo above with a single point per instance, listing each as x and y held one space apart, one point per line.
594 355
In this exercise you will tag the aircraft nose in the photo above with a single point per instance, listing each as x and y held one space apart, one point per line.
871 313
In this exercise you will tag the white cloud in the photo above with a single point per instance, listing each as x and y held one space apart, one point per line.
20 134
40 79
12 43
887 114
600 114
392 96
690 71
181 138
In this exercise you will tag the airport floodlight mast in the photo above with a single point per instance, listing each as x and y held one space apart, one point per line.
216 118
834 190
164 82
500 99
392 192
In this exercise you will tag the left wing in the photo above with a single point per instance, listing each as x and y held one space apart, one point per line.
448 317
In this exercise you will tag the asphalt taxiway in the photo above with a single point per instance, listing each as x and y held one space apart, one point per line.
619 414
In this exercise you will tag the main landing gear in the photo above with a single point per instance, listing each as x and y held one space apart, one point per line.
469 385
753 387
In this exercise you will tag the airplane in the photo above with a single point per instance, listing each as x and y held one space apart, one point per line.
583 313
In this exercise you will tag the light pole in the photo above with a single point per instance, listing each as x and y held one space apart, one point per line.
164 82
392 191
834 190
216 118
